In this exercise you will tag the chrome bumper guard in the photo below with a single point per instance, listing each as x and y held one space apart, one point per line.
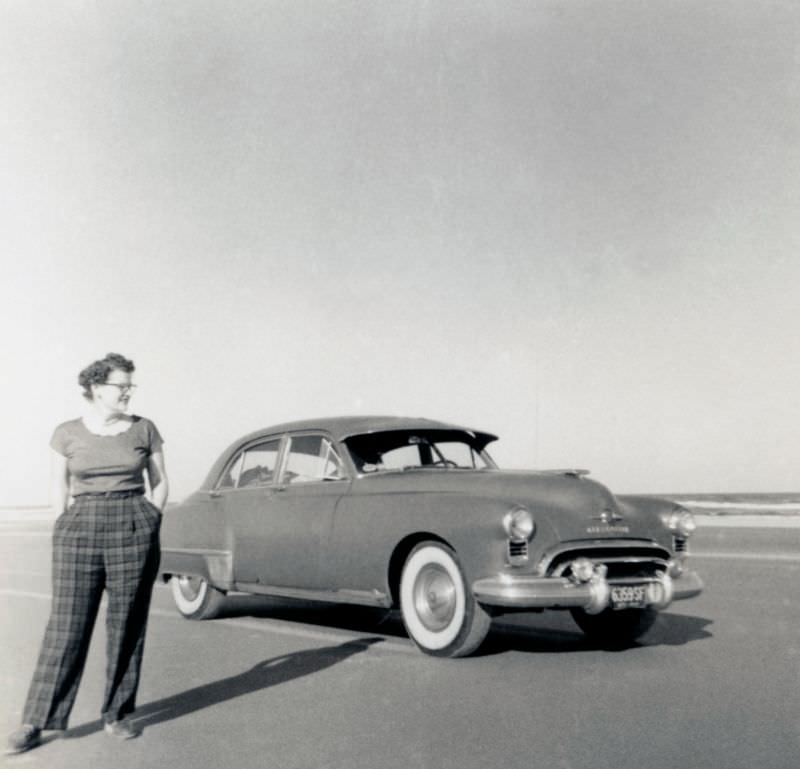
593 596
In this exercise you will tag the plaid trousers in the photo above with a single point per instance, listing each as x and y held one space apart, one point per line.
100 543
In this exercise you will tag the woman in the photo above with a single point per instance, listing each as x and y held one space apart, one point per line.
107 539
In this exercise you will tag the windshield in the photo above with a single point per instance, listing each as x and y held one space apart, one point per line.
413 450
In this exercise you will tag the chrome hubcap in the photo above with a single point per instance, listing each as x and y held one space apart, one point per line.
190 587
434 597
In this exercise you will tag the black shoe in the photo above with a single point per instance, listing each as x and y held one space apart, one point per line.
25 738
122 730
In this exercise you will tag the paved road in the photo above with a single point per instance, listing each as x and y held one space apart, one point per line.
716 683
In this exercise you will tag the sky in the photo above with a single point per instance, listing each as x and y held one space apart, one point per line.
573 224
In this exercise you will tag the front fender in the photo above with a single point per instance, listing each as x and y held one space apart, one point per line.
368 529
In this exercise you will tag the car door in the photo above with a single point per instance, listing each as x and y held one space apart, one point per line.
281 522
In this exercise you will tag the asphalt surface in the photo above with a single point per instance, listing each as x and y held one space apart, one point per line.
715 683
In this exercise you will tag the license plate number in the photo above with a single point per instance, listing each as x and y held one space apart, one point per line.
628 596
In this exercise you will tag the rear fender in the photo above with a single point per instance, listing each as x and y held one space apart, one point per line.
215 566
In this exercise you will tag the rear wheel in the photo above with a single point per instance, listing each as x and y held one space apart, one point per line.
195 598
615 628
439 612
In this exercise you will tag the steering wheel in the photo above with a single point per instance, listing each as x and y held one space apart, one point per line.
443 463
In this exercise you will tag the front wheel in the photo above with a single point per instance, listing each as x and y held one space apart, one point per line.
195 598
439 612
615 628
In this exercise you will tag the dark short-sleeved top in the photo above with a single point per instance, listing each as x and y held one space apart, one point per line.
102 463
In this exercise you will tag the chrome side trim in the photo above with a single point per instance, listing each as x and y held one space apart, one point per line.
357 597
193 551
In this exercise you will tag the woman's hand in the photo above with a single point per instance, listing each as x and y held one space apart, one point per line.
159 485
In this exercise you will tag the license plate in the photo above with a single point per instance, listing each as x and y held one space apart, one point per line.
628 596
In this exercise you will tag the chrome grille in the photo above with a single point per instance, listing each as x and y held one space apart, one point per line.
517 552
622 560
680 545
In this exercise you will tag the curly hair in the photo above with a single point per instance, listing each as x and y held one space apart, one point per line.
97 372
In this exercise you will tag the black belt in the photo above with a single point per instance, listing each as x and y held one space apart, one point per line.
111 494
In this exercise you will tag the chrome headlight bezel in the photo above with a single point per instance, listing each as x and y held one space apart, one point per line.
519 524
681 522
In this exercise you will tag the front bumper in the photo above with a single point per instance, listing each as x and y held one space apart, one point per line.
527 592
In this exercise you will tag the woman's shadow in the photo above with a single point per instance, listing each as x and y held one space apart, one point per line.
271 672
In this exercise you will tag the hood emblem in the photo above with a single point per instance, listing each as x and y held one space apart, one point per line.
608 517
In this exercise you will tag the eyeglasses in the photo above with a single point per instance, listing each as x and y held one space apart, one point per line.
121 387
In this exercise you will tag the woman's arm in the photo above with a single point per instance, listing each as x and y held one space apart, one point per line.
59 482
159 485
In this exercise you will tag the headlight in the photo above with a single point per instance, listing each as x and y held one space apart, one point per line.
519 524
681 522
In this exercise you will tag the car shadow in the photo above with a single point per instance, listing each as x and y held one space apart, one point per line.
676 630
361 619
550 632
556 633
270 672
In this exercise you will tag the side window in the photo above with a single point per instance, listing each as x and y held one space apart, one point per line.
231 474
460 454
257 467
312 458
402 456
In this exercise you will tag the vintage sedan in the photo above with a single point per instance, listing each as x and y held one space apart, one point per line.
414 514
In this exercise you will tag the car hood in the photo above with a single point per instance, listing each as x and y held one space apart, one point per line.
567 502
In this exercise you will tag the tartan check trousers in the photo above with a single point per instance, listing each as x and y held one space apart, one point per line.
101 543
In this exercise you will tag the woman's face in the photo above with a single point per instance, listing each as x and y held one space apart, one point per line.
115 393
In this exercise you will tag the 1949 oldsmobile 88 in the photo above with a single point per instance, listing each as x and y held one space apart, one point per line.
414 514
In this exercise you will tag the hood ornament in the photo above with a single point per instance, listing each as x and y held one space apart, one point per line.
609 523
608 517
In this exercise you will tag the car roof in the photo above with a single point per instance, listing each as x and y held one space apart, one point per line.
340 428
344 426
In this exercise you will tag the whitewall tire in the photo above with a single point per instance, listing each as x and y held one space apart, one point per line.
195 598
439 612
